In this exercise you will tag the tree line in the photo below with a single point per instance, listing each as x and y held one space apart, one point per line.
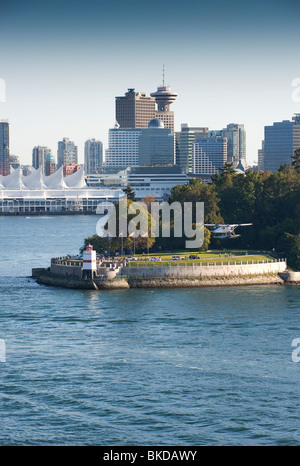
270 201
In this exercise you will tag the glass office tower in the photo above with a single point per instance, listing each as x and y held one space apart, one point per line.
209 155
281 141
156 145
236 143
185 143
93 156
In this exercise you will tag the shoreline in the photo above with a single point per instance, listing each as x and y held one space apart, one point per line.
47 213
44 277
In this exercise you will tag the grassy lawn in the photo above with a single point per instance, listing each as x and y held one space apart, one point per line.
211 258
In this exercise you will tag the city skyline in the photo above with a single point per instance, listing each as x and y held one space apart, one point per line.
64 65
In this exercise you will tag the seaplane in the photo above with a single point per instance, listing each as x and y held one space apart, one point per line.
225 231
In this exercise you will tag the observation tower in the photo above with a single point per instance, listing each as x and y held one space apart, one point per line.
164 97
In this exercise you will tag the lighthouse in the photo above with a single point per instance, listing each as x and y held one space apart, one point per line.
89 262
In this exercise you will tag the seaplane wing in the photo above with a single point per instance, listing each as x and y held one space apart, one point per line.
242 225
228 236
227 225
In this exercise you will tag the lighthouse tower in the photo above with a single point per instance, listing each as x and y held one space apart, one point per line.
89 262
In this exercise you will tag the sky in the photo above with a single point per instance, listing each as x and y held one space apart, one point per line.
63 64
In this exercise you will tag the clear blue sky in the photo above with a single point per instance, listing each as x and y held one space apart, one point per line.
64 63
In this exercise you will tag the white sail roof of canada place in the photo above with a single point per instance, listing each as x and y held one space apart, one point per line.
37 186
36 180
12 181
76 180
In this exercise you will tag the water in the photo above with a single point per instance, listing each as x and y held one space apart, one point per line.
175 367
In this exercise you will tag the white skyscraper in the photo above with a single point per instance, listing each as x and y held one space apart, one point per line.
123 148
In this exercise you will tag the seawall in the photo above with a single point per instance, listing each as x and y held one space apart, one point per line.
46 278
47 213
69 276
205 282
200 271
291 277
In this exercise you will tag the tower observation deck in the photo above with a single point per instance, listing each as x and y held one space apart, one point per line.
164 97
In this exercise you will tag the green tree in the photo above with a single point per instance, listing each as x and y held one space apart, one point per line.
296 160
129 193
290 246
227 169
206 243
196 191
270 201
114 238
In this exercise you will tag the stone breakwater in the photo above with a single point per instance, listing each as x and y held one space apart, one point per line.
44 277
205 282
69 274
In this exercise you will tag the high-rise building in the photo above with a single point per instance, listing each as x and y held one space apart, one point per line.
164 97
281 141
93 154
156 145
134 110
185 139
236 143
185 143
123 147
39 156
209 155
50 164
4 148
67 152
261 158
